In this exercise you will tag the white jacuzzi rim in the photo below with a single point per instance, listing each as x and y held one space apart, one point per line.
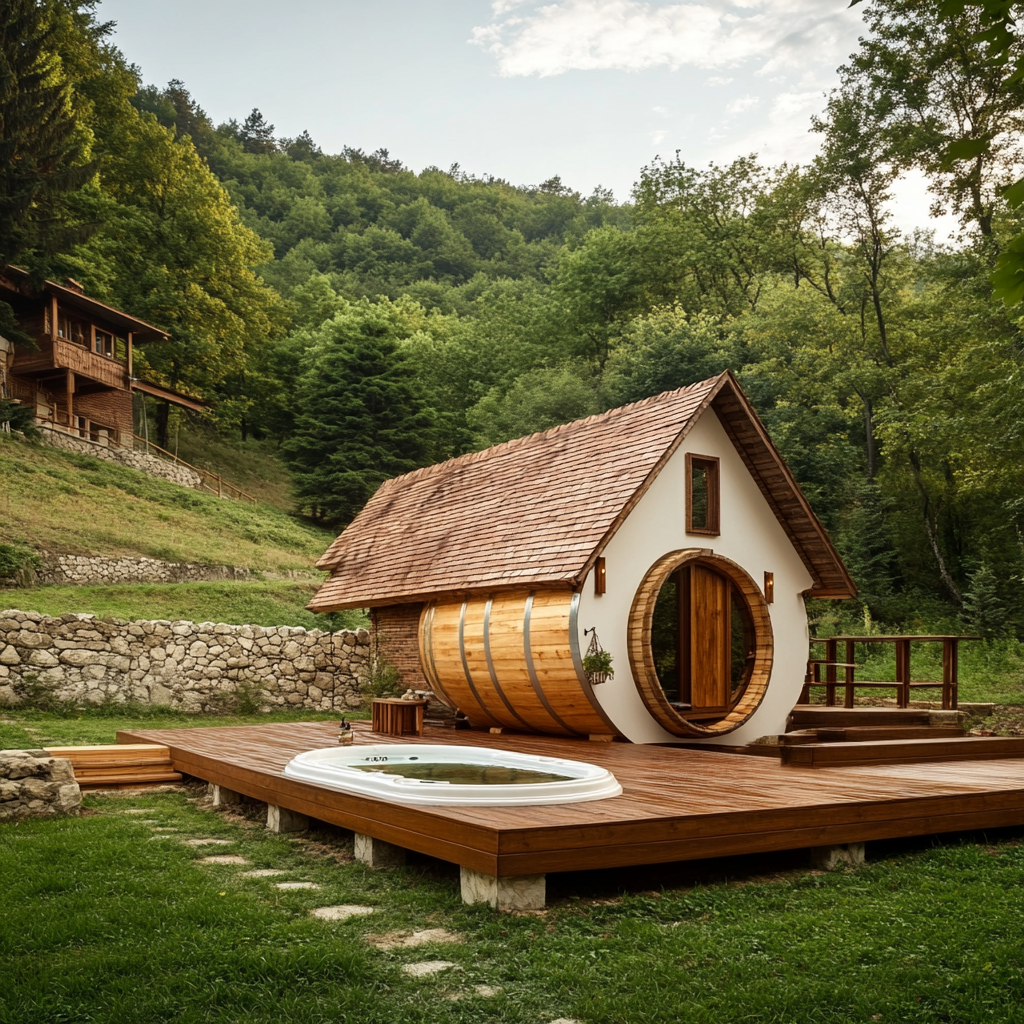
326 766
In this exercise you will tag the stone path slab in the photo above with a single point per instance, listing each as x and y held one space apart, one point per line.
227 858
340 913
426 968
296 885
403 940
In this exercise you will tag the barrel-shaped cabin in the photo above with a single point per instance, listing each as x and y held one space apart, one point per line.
639 574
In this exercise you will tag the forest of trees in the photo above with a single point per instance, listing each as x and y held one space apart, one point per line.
371 319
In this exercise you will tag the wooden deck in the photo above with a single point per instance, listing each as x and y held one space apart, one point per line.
677 804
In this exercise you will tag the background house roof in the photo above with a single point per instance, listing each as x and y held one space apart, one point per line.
537 511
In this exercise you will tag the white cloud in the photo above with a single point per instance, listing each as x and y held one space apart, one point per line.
718 80
742 103
627 35
660 110
658 137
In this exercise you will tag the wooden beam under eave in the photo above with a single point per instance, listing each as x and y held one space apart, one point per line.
53 318
129 355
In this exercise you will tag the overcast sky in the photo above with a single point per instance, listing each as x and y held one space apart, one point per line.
587 89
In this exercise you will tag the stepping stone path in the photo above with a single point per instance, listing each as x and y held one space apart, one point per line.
483 991
208 842
296 885
427 967
165 828
227 858
341 913
135 810
261 873
403 940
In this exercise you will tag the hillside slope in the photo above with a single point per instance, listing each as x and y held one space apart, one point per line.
58 501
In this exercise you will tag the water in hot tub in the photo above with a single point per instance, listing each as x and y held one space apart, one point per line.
463 774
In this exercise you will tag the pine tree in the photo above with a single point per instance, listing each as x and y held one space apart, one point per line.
43 150
257 135
984 612
363 419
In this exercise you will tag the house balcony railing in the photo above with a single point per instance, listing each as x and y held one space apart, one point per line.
60 354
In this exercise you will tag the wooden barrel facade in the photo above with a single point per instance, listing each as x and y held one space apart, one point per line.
511 660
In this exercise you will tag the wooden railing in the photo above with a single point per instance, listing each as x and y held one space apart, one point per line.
212 482
902 684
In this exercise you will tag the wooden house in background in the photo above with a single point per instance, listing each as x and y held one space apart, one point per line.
668 533
78 379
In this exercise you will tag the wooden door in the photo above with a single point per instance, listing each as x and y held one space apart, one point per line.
705 656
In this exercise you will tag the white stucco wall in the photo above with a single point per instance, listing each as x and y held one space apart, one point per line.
751 536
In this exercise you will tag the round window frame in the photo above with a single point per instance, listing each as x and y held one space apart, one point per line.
641 655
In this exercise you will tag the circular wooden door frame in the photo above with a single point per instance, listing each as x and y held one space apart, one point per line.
641 655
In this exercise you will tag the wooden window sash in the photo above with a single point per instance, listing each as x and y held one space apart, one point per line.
710 464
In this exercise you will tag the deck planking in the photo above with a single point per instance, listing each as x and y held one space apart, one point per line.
677 804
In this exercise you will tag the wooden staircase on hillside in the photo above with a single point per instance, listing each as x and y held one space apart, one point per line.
119 765
826 737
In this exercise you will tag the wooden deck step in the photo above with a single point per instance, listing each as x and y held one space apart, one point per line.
806 716
967 748
869 733
119 765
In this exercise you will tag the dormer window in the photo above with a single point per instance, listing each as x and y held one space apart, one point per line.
702 495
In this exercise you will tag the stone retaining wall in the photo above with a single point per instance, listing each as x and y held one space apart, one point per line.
143 461
192 666
34 784
84 569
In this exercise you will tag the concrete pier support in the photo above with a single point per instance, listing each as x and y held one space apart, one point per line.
375 853
280 819
512 892
825 858
223 797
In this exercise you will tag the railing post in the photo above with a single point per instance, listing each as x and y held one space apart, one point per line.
831 649
950 698
848 674
903 673
220 487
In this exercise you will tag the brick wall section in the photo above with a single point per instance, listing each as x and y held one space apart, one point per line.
395 636
109 408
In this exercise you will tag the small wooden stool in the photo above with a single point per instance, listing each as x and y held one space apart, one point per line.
396 717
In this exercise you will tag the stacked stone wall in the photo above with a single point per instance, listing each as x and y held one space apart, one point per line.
80 570
142 461
33 784
191 666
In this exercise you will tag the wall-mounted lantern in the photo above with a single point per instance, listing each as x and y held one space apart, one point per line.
600 577
769 588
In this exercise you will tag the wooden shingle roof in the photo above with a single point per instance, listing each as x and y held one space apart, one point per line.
536 512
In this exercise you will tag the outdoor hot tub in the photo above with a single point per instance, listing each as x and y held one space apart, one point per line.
429 774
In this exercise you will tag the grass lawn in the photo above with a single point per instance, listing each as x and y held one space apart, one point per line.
59 501
251 465
113 918
269 603
27 729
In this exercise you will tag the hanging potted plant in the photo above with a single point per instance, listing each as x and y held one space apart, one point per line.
597 663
